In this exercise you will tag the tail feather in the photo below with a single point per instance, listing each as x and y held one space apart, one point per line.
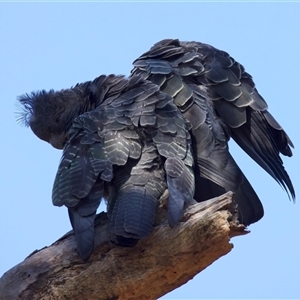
82 219
137 189
249 206
83 227
181 186
220 169
133 214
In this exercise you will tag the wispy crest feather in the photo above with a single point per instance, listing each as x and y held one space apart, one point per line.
24 108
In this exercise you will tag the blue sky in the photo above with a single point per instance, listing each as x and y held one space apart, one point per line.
56 45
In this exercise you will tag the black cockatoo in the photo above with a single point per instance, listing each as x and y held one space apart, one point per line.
166 126
123 139
220 101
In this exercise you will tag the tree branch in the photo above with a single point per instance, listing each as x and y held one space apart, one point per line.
167 259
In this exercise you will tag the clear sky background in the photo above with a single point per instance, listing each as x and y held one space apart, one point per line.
56 45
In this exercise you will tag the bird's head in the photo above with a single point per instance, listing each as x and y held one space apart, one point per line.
50 114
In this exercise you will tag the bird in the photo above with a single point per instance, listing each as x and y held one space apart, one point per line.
123 140
220 100
165 127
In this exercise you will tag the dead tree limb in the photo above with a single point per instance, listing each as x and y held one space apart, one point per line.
166 260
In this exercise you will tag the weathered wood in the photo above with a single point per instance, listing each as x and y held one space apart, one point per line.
167 259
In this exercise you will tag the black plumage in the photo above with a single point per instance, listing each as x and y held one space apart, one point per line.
117 135
167 126
219 99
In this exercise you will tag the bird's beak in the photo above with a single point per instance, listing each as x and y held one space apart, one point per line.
57 141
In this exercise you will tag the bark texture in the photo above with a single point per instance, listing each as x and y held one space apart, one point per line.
157 265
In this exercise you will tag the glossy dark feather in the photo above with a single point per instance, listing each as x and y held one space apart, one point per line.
82 219
115 141
167 126
220 101
181 185
137 189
